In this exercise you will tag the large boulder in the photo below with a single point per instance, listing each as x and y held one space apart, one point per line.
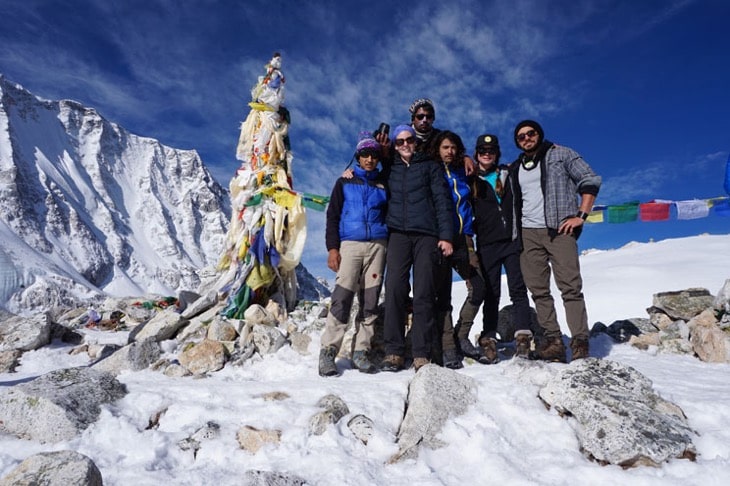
60 468
25 333
58 405
619 418
683 304
434 395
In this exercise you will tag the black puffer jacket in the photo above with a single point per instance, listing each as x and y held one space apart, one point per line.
493 220
419 198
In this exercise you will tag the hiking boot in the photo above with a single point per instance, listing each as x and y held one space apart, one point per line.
469 350
419 363
523 341
550 349
489 348
579 348
392 363
327 365
452 359
362 363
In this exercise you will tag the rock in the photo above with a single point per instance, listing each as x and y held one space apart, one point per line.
683 304
434 395
252 439
361 427
9 360
204 357
255 314
270 478
708 341
136 356
58 405
334 409
221 330
25 334
60 468
274 396
163 326
210 430
267 339
619 418
645 340
722 299
208 300
186 298
300 342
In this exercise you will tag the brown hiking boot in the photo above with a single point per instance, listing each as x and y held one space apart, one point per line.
523 342
392 363
579 347
489 346
550 349
419 363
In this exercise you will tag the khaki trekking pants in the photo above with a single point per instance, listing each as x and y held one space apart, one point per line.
361 273
542 253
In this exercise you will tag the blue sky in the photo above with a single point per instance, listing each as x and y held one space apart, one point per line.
639 88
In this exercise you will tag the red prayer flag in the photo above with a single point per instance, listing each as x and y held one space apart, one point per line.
653 211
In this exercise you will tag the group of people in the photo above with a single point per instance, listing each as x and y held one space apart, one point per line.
430 209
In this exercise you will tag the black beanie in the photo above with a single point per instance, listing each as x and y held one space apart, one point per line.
533 124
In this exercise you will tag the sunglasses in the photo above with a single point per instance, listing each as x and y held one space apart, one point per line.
421 116
403 141
369 153
486 151
523 136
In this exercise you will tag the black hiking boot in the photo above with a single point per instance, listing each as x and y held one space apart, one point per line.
469 350
327 365
452 359
363 364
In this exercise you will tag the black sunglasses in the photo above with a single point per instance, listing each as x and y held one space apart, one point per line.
421 116
486 151
402 141
523 136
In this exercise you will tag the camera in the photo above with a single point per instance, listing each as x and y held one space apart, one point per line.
383 128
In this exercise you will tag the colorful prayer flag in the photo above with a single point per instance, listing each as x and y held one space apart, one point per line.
654 211
622 213
693 209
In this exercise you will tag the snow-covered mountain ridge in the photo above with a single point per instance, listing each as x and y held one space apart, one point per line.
86 206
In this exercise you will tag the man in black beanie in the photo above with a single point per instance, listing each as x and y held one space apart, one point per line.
547 178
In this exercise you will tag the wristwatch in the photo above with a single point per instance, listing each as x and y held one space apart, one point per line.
582 215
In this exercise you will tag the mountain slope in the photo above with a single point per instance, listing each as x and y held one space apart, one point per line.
85 203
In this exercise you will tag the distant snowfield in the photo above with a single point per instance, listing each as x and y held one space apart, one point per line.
507 438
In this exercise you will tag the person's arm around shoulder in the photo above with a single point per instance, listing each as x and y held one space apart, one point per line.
332 228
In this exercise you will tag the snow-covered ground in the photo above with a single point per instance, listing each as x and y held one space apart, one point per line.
507 438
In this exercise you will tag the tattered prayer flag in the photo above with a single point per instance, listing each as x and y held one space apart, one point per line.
254 201
622 213
286 198
596 215
693 209
654 211
312 201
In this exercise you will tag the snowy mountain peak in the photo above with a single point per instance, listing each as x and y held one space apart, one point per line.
87 206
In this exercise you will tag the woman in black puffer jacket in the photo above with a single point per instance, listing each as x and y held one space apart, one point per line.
420 221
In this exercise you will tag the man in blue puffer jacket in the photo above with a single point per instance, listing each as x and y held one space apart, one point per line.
356 237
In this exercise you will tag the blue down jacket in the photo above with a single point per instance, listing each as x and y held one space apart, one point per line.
357 208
